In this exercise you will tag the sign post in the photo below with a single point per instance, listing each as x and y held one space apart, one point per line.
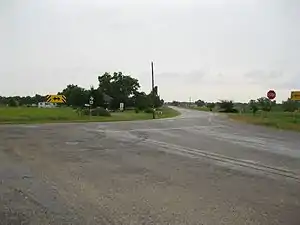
90 105
271 95
153 94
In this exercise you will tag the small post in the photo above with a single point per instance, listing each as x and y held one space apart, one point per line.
153 94
91 102
90 112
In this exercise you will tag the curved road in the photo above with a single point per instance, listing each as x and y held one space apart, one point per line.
198 168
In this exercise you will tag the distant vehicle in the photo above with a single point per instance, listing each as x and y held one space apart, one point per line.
46 105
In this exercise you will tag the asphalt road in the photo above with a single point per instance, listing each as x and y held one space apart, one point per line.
198 168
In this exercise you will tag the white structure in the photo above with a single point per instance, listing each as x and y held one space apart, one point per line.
46 105
121 106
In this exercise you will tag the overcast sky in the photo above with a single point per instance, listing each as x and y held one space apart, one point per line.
207 49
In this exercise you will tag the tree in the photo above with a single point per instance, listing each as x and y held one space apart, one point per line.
155 98
211 105
162 102
98 96
112 90
264 104
141 101
76 96
289 105
12 102
227 106
200 103
3 100
20 101
253 106
38 98
175 103
120 87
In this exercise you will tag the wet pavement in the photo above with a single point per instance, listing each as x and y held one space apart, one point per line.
198 168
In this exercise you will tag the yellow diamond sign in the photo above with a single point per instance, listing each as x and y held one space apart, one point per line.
295 95
56 98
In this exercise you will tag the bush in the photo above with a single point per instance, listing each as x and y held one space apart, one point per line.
227 107
210 105
12 103
136 110
264 104
289 106
100 112
200 103
229 111
96 112
149 110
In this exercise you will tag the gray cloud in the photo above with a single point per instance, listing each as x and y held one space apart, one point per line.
183 77
273 79
207 49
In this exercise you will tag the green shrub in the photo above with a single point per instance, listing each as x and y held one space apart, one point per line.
100 112
149 110
85 111
96 112
229 111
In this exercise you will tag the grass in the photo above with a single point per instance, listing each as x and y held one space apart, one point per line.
276 118
44 115
167 113
280 120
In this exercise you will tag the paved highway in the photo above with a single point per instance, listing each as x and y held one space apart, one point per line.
198 168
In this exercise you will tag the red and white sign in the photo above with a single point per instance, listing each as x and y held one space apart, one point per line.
271 94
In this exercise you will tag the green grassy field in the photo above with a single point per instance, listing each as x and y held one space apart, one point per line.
276 118
44 115
281 120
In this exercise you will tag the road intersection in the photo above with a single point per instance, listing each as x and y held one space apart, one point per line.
198 168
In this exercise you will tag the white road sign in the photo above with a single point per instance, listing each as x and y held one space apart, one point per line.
121 106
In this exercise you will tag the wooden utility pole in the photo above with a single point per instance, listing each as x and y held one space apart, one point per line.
153 94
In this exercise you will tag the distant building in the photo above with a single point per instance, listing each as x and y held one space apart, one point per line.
46 105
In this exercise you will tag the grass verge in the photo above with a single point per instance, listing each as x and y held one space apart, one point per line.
11 115
167 113
280 120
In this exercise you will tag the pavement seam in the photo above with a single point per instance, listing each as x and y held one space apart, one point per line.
226 159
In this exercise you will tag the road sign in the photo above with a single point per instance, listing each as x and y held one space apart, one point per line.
91 100
121 106
56 98
295 95
271 94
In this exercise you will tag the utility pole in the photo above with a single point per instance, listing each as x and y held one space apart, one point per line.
153 94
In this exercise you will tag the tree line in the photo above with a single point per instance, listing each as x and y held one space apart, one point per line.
262 104
112 90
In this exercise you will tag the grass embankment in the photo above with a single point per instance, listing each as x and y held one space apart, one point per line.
167 113
280 120
44 115
277 119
